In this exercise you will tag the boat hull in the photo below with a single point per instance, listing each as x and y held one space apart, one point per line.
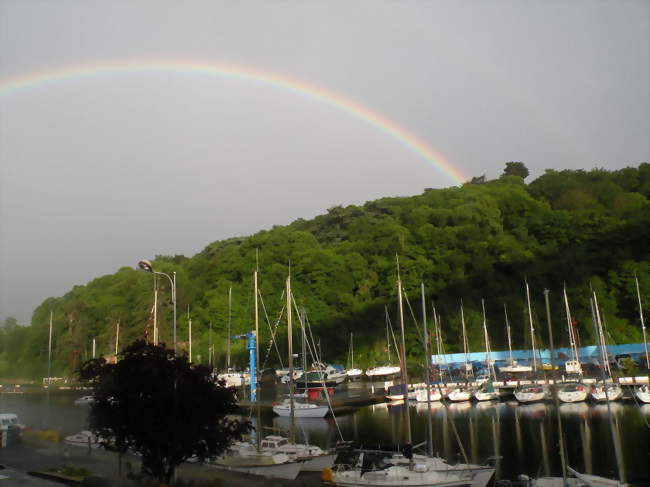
486 396
316 412
459 396
528 397
613 394
289 470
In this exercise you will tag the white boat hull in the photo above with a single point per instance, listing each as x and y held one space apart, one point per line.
302 412
572 396
459 396
289 470
644 396
486 396
421 395
527 397
614 393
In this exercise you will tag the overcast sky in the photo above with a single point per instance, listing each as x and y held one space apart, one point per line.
99 172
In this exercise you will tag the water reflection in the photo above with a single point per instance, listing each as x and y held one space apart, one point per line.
525 435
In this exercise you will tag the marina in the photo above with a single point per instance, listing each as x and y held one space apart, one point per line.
524 435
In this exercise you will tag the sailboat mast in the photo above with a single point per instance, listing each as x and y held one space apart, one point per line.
427 373
555 396
465 347
117 338
189 325
49 352
572 338
155 309
210 346
601 338
505 312
595 316
487 343
532 327
407 428
292 435
229 330
257 361
352 350
645 338
387 332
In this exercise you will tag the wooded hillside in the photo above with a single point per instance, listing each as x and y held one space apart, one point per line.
481 240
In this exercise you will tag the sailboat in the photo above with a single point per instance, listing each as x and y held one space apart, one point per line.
461 393
606 390
512 367
389 371
232 377
428 393
643 392
580 479
289 407
487 391
531 392
353 373
571 366
386 469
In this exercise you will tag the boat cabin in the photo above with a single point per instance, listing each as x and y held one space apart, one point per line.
7 420
274 442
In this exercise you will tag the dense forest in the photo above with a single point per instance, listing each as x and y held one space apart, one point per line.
588 229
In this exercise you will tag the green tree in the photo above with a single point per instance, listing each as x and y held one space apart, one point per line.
161 406
516 169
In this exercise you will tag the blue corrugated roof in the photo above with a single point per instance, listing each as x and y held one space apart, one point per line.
589 352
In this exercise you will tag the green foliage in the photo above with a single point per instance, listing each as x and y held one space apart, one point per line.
518 169
161 406
585 228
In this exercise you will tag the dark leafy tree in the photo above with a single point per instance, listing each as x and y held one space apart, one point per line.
516 169
161 406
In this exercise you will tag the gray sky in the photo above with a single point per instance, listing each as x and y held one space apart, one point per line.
99 172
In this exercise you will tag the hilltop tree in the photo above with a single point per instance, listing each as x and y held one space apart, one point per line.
161 406
516 169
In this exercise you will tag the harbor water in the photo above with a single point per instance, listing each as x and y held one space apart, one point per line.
524 436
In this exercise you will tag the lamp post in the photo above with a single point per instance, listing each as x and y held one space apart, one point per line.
146 266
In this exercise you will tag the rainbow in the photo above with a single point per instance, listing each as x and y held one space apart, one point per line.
14 84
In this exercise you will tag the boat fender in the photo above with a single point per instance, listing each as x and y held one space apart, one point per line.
327 475
421 468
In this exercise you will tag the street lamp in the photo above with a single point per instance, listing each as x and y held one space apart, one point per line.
146 266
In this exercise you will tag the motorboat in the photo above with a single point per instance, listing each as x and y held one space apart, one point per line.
315 379
244 458
513 367
531 393
314 458
355 374
284 378
10 421
614 392
396 392
572 392
86 439
383 372
300 409
84 400
235 378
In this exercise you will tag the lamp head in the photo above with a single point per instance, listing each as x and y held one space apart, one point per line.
145 265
